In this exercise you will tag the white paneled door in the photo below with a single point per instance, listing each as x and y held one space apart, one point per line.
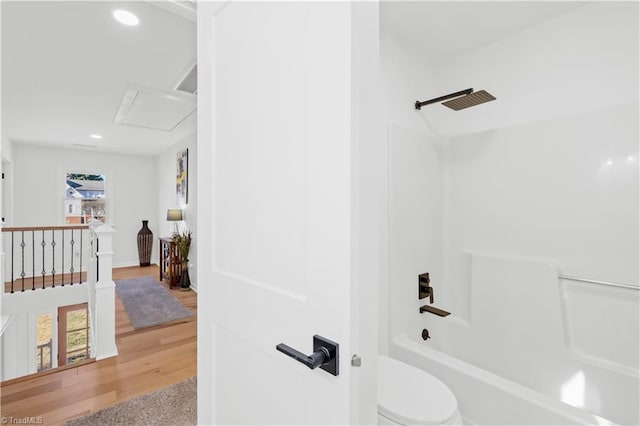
288 166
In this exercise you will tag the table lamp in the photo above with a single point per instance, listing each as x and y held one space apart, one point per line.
174 215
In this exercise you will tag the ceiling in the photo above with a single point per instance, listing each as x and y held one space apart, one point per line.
66 67
446 29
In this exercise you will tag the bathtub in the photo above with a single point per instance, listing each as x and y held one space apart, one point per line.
485 398
534 348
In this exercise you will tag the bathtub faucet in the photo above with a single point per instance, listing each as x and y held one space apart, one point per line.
433 310
424 289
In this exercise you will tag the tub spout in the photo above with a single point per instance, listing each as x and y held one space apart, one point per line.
434 310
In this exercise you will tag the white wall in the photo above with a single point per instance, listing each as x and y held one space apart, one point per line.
415 234
537 184
406 77
545 190
525 175
6 149
6 153
19 342
575 63
6 191
14 346
166 190
416 239
545 175
131 191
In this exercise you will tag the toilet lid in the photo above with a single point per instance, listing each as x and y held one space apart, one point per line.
408 395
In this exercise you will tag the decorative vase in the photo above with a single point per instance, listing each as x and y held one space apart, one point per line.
185 281
145 244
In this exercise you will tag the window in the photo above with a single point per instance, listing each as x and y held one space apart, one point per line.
44 336
73 334
85 198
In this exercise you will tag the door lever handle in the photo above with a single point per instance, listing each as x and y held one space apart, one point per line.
315 360
325 355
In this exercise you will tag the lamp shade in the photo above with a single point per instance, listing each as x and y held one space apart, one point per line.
174 215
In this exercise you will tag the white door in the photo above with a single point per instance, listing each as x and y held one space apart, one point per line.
287 210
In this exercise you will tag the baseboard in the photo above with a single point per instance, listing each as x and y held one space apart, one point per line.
128 264
109 355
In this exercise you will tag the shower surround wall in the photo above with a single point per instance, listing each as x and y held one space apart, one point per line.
407 76
525 204
563 189
496 201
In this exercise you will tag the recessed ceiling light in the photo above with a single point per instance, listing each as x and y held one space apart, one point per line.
95 136
125 17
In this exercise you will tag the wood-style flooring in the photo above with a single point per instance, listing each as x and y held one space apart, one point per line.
148 359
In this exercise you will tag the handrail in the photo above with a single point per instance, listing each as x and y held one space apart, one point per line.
39 253
44 228
605 283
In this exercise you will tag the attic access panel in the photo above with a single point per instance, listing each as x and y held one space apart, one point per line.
154 109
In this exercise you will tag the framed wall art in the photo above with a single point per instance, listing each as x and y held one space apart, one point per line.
182 177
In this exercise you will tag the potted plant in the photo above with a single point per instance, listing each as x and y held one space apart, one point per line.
183 242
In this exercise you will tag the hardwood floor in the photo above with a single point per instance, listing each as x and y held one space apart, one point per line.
148 359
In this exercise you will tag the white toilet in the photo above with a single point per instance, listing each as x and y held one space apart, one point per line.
410 396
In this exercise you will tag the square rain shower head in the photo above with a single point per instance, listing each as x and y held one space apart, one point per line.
473 99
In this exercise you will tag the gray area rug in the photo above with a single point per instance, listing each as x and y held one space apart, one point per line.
173 405
148 303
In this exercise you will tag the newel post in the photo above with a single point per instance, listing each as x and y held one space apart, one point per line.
105 298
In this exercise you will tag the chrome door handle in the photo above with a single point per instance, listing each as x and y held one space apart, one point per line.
325 355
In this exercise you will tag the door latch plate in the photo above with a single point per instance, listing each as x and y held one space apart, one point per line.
331 367
356 361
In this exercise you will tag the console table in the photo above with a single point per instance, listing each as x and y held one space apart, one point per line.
170 262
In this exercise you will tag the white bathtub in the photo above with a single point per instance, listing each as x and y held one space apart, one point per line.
485 398
533 349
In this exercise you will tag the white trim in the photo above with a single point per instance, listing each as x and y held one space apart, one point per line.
6 320
109 355
183 75
131 263
109 186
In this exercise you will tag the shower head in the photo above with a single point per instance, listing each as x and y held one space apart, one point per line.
463 99
472 99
